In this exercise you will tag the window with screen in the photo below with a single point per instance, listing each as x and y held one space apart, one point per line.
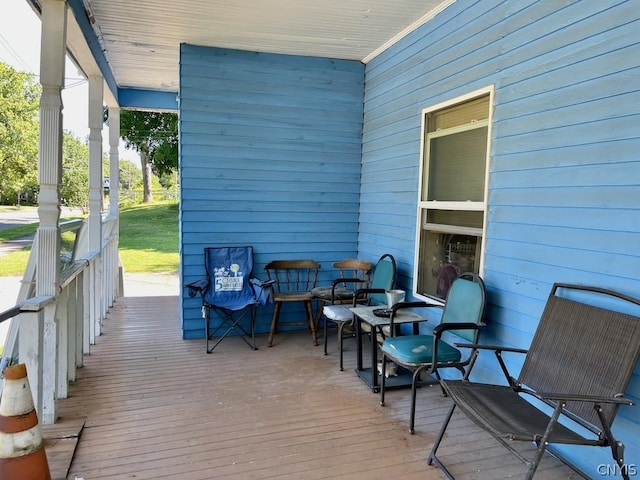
452 197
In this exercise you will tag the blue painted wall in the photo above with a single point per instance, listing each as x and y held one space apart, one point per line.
270 149
274 154
564 191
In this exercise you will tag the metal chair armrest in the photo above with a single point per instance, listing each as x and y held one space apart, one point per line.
418 304
572 397
404 305
338 281
362 291
443 327
496 348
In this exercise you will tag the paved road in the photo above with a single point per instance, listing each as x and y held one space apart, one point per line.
18 216
13 218
23 216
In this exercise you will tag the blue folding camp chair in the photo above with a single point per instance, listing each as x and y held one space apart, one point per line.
231 293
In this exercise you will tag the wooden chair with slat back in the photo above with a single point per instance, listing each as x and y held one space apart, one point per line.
293 281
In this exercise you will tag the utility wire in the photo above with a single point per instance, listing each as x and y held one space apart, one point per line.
7 46
77 81
70 82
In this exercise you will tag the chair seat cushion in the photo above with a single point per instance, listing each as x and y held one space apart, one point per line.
292 296
418 349
338 313
324 293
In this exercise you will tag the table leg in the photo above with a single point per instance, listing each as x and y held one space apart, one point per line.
374 359
358 343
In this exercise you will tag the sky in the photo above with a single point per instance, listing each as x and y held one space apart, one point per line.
20 48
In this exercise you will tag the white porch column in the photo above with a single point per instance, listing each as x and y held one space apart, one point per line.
52 69
114 160
113 274
95 198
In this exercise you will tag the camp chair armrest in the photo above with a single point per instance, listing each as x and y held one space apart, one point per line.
197 287
261 283
263 290
572 397
443 327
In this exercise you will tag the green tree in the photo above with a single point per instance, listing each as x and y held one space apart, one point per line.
169 183
19 108
130 176
154 135
74 189
19 141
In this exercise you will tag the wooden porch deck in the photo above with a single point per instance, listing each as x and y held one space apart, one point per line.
155 406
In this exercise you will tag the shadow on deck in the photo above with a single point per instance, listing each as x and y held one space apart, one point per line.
150 405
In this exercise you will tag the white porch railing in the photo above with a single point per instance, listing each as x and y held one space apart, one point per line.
51 334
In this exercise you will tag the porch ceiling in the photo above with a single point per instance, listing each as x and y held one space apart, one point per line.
140 40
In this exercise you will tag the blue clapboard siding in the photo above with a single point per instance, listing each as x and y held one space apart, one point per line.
269 156
564 188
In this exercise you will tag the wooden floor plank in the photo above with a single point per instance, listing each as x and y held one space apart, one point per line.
155 406
60 442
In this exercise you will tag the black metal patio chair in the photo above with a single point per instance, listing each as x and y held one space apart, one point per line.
571 385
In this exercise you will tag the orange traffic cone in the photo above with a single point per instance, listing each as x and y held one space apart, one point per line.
22 455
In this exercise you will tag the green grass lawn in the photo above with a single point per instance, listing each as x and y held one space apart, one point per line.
17 232
148 240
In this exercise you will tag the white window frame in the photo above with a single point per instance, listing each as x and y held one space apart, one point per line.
423 205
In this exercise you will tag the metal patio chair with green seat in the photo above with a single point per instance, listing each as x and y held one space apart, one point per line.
351 275
382 279
462 315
